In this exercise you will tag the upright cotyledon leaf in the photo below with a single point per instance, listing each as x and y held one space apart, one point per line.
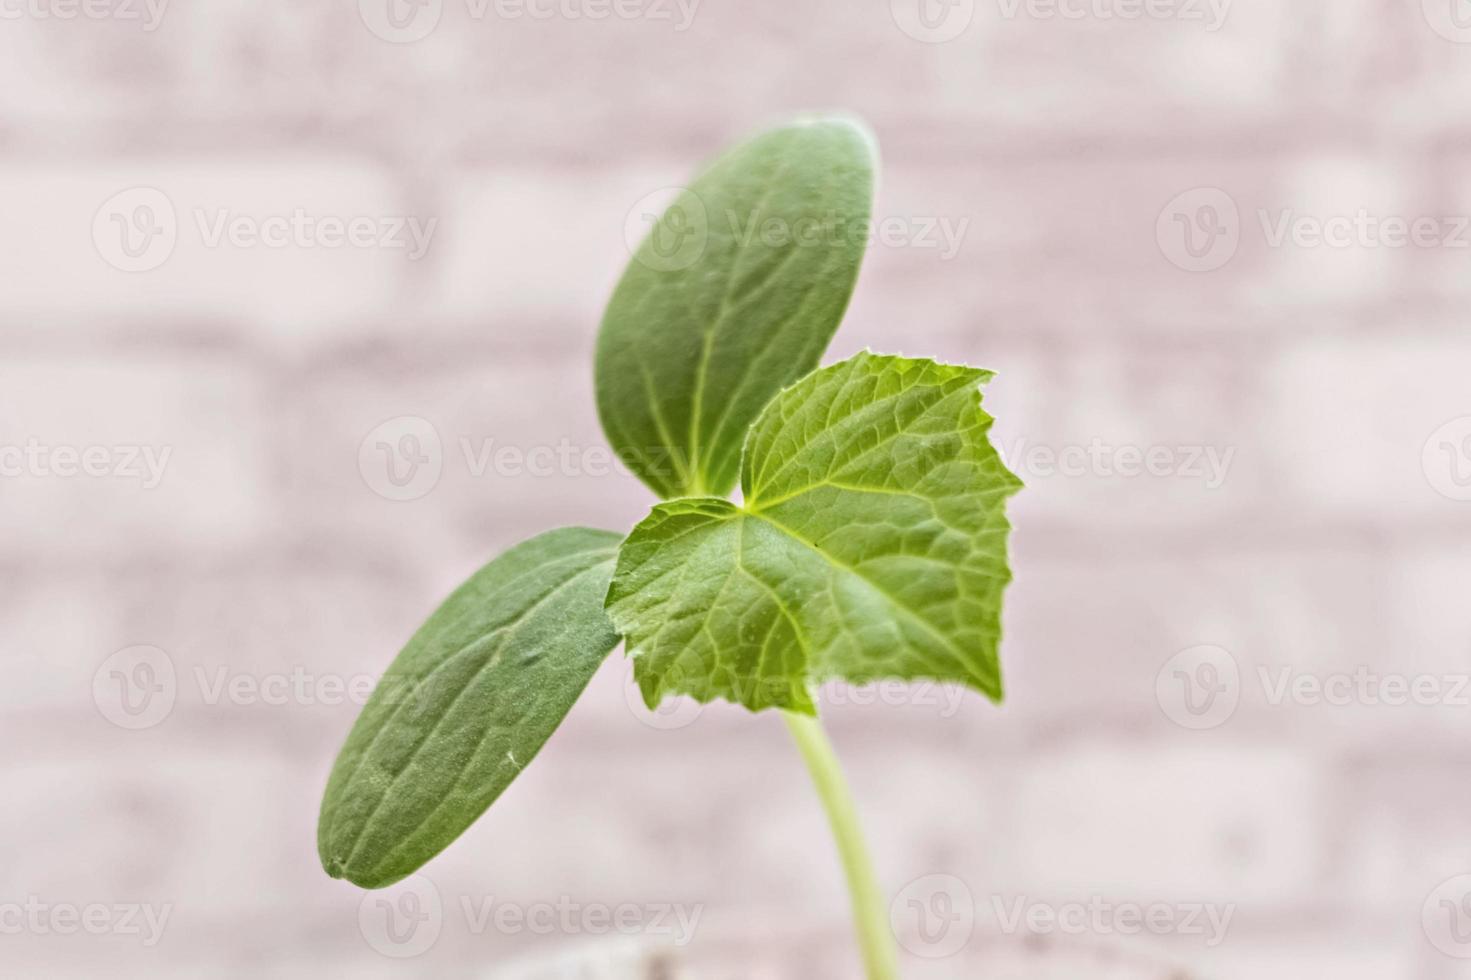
871 544
734 294
467 704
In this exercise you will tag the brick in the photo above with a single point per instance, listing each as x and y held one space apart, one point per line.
66 248
212 490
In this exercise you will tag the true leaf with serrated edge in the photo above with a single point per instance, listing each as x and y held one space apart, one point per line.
734 294
871 544
471 699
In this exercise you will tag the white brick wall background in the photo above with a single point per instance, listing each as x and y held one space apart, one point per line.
1331 542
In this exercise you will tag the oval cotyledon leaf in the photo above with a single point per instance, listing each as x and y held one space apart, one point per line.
734 294
467 704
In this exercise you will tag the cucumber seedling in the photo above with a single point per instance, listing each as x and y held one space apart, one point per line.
869 543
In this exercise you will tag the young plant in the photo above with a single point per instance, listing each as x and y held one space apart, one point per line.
869 544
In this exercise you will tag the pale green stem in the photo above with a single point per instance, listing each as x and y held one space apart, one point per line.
870 910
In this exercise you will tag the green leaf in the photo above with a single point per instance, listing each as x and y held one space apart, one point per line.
471 699
733 295
871 545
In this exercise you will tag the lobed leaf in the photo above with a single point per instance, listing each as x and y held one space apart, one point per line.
871 544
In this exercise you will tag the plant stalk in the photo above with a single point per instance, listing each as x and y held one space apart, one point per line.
870 910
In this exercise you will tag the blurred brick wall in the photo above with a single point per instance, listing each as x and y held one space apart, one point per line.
1114 187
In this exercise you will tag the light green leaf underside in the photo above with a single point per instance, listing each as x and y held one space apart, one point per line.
734 294
872 544
468 703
